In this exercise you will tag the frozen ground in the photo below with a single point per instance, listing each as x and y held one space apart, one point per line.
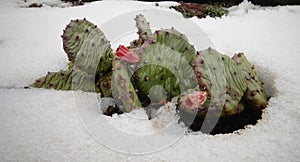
43 125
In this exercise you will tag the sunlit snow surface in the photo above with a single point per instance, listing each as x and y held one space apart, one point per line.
44 125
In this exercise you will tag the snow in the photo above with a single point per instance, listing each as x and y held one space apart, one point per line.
49 125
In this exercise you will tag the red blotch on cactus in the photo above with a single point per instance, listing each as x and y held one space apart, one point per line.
194 100
127 55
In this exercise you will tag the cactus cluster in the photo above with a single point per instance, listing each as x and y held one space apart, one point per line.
155 68
230 83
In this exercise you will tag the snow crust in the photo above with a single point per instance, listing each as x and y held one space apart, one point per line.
49 125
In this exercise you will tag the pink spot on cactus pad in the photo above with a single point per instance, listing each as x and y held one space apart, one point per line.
194 100
127 55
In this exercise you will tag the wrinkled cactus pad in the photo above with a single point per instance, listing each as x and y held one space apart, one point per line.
255 93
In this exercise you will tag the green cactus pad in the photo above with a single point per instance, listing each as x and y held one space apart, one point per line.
91 60
170 38
175 40
255 93
144 30
166 60
67 80
122 89
160 65
222 78
86 45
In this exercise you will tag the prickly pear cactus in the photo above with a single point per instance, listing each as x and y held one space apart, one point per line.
170 38
221 77
255 93
67 80
122 89
176 41
144 30
91 59
86 45
155 69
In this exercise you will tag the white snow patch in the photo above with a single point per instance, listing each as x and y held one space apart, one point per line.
27 3
43 125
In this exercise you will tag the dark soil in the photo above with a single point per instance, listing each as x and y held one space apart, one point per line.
224 125
35 5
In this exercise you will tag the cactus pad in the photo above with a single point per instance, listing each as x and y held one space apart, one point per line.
255 93
67 80
122 89
160 65
143 27
87 47
222 79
